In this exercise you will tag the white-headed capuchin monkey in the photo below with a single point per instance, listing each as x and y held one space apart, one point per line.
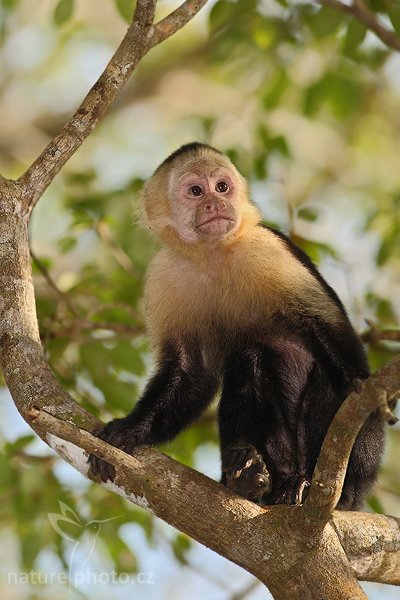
232 302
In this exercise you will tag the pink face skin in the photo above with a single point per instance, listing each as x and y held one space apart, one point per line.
207 204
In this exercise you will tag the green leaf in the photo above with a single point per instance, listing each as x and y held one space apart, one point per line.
19 444
315 250
221 14
383 308
31 545
325 21
378 5
274 92
375 504
308 214
341 92
125 9
96 359
44 261
394 15
355 35
63 11
279 144
81 177
118 394
181 546
264 34
67 243
125 356
9 4
387 249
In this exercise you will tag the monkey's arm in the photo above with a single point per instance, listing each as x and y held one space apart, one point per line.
177 394
242 465
342 351
328 324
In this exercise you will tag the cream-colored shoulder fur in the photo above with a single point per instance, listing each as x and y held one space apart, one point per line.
237 287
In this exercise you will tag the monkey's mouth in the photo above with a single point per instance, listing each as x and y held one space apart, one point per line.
218 218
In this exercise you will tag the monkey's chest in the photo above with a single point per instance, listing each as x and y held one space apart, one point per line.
213 304
217 304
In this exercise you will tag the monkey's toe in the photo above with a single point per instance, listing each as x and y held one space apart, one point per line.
237 457
244 471
253 483
291 491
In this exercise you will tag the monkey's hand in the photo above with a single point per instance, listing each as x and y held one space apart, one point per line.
244 471
118 434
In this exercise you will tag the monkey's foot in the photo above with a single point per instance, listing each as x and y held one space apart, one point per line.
244 471
117 434
291 491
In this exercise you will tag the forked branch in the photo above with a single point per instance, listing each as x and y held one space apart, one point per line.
141 36
210 513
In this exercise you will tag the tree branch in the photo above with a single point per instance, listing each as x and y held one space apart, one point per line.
380 389
176 20
236 528
139 39
362 13
375 334
132 48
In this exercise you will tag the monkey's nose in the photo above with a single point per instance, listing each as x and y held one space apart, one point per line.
219 205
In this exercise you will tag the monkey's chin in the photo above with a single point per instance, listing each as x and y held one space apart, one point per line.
218 227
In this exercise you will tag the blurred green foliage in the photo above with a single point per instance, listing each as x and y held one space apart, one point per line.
313 79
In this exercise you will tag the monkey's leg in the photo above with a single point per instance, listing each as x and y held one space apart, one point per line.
243 468
176 395
284 370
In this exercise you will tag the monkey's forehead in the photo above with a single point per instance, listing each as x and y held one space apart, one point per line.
203 167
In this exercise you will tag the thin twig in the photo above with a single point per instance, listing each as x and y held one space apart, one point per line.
122 258
375 334
253 585
52 284
176 20
363 14
78 329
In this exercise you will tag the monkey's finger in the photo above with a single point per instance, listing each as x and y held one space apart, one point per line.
300 491
239 462
237 474
101 469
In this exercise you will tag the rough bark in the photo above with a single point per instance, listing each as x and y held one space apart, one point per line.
268 542
298 552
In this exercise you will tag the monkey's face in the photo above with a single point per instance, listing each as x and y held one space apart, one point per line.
199 199
205 201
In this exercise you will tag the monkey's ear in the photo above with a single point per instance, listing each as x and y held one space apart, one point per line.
154 208
140 211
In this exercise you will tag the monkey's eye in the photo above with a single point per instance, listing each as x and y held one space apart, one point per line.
222 187
195 190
